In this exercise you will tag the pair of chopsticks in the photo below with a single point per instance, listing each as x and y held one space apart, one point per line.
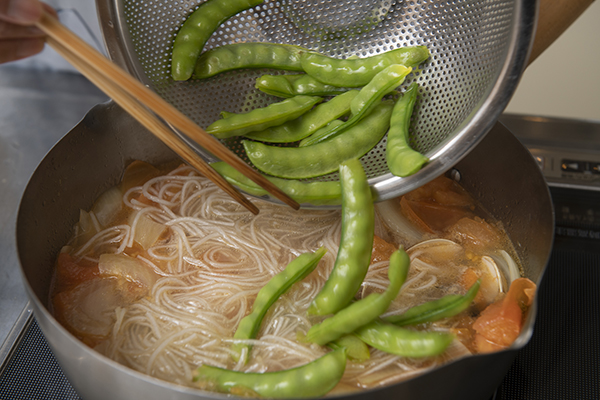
146 107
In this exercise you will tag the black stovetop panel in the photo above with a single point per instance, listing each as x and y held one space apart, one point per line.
33 373
562 359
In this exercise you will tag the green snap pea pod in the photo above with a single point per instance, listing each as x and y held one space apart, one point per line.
295 271
322 158
363 311
308 123
401 159
227 114
402 341
356 243
447 306
356 349
314 379
381 84
262 118
197 28
324 130
316 193
368 98
248 55
294 85
358 72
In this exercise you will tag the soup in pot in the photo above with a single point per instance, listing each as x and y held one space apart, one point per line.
162 269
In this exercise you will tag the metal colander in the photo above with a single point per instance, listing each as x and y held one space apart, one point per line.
478 52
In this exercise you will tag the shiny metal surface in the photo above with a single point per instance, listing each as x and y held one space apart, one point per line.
566 150
533 130
37 108
478 52
515 193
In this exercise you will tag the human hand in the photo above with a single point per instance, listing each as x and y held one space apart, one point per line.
19 38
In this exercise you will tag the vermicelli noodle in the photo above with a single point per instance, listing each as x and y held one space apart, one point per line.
210 262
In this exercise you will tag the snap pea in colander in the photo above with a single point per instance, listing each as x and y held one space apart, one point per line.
478 51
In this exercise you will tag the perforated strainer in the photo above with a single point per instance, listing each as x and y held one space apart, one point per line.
478 51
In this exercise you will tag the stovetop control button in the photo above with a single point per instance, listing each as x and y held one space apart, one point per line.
573 166
541 162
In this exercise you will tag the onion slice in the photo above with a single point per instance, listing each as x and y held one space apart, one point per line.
145 231
389 212
108 206
127 268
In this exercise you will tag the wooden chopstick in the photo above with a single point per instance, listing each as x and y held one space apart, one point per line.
153 124
134 91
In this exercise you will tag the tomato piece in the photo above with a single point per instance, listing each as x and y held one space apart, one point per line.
454 197
469 277
522 291
407 209
475 231
382 250
437 205
443 191
71 272
431 216
88 309
137 173
501 322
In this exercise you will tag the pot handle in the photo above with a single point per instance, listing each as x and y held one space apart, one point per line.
554 17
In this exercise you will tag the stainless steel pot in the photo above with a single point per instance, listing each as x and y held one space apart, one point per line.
499 172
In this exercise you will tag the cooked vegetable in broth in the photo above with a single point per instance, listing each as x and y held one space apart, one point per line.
164 267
